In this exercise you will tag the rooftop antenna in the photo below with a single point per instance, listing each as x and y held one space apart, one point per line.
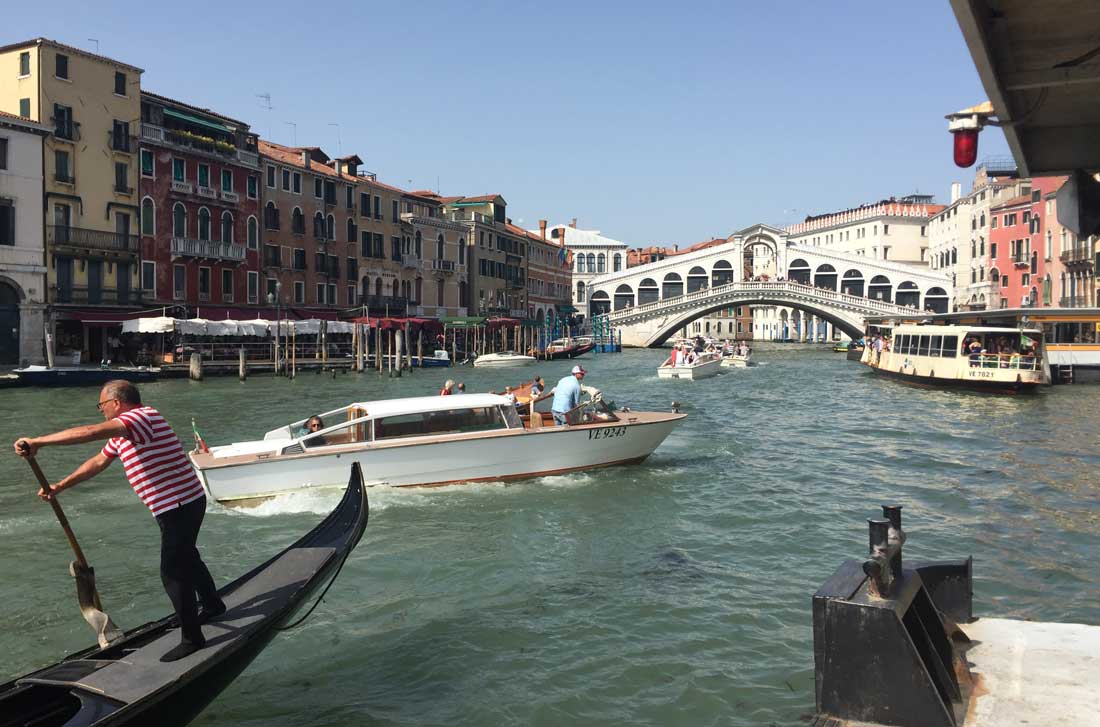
96 41
265 103
294 127
339 150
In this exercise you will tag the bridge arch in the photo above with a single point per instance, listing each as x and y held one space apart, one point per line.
799 271
908 294
673 324
721 272
852 283
672 286
825 276
624 297
648 291
881 288
696 279
599 303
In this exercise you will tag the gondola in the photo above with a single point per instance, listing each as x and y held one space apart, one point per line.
127 684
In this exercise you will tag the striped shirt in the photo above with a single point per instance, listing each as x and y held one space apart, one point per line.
156 466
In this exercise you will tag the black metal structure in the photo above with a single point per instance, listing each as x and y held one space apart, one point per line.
127 684
883 637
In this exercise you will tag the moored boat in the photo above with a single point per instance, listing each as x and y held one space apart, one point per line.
82 375
426 441
562 348
504 358
127 684
439 358
997 360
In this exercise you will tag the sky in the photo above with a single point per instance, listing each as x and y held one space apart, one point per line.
656 123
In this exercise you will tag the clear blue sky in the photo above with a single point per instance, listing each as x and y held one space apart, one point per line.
653 122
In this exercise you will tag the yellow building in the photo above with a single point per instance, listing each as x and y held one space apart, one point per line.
93 106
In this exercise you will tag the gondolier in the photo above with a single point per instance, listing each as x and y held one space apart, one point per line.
567 395
163 478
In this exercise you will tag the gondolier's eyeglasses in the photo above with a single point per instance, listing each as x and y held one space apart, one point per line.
100 404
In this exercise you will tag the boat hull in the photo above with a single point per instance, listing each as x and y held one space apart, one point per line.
75 376
573 352
735 362
481 362
693 373
981 385
501 455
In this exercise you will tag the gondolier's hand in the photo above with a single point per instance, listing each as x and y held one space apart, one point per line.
25 447
48 494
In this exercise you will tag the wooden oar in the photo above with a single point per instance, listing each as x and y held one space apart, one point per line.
86 594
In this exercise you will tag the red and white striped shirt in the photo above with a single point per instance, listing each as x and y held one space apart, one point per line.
156 466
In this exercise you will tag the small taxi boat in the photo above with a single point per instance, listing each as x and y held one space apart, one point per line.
425 441
736 356
998 360
561 348
701 366
502 359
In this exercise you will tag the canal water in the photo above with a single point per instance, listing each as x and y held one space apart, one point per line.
672 592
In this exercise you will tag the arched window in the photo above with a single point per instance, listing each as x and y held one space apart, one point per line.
227 227
351 230
799 271
672 286
600 264
297 222
179 220
419 289
418 240
721 273
461 251
647 291
319 226
204 223
463 294
378 287
618 262
395 289
271 216
439 248
580 263
148 217
580 291
253 233
330 230
697 279
440 300
591 263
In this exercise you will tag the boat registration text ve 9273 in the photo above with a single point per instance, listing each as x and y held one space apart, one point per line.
606 433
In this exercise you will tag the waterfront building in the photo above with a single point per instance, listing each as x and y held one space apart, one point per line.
438 254
22 242
200 206
92 105
892 229
1021 251
1073 261
499 253
593 254
387 279
549 280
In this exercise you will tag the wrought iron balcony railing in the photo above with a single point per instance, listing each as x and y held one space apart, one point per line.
187 247
79 237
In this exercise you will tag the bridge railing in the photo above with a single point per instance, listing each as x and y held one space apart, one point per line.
789 286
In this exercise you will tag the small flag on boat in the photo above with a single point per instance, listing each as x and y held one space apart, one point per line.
200 445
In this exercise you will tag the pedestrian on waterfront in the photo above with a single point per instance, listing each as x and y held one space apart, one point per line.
448 388
163 478
567 395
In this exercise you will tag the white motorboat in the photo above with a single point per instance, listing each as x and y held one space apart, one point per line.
504 358
424 441
702 366
734 360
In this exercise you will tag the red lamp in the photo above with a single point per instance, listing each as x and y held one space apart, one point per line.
965 126
965 146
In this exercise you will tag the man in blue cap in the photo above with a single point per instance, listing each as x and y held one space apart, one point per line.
567 395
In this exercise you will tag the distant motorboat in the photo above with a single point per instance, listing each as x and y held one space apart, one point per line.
504 358
561 348
439 358
83 376
703 366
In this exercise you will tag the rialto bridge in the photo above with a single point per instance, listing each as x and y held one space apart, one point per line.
759 267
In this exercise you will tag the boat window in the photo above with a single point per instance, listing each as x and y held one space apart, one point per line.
451 421
906 342
922 346
511 416
346 434
950 346
934 347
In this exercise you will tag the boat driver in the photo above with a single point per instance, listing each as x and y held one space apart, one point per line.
567 395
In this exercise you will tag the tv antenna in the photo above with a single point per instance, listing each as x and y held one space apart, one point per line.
96 41
339 151
265 103
294 126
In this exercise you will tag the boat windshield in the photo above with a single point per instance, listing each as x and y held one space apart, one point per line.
449 421
350 433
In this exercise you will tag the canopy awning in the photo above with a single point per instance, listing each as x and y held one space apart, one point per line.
160 324
463 321
212 125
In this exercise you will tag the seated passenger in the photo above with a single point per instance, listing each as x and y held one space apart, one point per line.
315 424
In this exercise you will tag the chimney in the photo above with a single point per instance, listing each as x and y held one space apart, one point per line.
542 228
338 165
573 224
305 159
956 192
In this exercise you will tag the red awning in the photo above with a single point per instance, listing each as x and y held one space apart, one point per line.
394 324
98 318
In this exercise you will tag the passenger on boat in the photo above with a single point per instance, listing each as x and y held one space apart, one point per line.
509 395
537 387
461 388
315 424
975 353
448 388
567 395
144 441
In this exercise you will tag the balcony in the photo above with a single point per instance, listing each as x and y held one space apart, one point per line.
78 237
1021 259
64 178
410 261
94 296
123 189
181 187
194 142
120 142
187 247
517 284
207 192
1074 301
1076 255
391 303
231 197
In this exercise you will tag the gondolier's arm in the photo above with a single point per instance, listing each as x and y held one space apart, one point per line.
29 446
91 467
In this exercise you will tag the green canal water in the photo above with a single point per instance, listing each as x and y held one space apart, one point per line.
675 592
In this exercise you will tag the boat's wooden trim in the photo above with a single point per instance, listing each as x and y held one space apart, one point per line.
205 461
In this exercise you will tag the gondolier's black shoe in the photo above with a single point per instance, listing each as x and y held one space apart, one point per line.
207 615
182 649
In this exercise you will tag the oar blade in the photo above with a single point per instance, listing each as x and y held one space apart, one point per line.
90 608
